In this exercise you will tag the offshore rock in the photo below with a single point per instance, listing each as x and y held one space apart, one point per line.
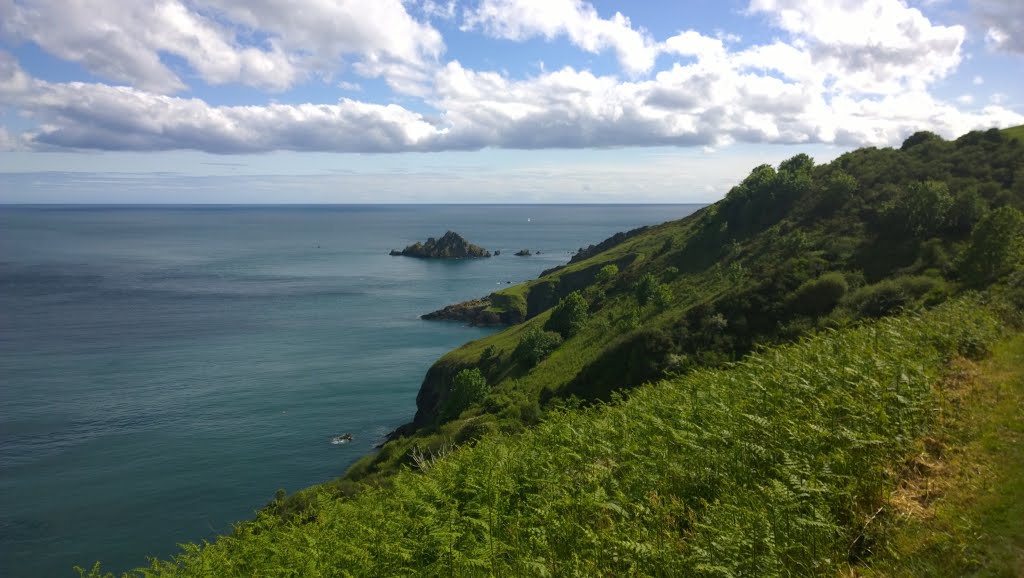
451 245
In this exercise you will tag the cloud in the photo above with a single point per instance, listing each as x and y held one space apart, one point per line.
1003 21
710 93
124 41
577 20
385 39
7 142
873 46
261 43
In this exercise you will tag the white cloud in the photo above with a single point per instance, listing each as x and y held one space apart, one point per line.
6 140
795 90
385 38
875 46
965 99
125 41
577 20
977 80
439 10
1003 21
997 98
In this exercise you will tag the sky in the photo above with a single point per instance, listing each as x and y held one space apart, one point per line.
477 101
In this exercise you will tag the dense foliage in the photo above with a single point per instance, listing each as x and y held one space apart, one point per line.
766 467
790 249
770 467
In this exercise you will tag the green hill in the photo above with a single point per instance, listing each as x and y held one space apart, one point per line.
790 249
759 451
1016 132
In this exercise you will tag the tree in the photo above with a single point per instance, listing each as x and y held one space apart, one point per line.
649 290
469 387
569 316
607 273
819 296
922 208
535 346
997 246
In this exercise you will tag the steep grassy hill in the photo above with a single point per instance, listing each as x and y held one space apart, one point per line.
790 249
774 466
783 410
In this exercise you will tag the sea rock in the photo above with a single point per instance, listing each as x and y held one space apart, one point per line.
523 253
451 245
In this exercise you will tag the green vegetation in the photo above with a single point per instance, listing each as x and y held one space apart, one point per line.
762 451
469 387
790 249
772 466
569 316
960 511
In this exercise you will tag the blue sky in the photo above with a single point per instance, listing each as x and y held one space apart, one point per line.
307 101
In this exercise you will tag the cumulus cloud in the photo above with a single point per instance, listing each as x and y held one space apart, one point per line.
577 20
875 46
125 41
1003 21
820 84
386 40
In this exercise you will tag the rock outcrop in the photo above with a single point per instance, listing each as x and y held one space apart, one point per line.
450 246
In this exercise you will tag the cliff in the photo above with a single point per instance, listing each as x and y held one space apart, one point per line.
451 245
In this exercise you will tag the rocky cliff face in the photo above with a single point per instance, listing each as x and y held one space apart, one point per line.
451 245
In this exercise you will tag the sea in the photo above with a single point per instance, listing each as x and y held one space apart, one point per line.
165 369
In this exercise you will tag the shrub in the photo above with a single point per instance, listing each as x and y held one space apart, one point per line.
819 296
469 387
607 273
889 296
535 346
569 316
649 290
997 246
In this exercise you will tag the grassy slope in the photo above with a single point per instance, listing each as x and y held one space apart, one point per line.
738 261
768 467
975 525
1016 132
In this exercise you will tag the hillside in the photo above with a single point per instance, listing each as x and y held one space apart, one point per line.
734 393
774 466
788 250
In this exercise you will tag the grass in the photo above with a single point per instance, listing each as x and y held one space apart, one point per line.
973 524
1016 132
773 466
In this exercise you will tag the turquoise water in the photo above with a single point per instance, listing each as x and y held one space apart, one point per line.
163 370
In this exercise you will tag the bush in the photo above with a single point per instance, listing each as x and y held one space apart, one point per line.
535 346
819 296
607 273
468 388
889 296
997 246
649 290
569 316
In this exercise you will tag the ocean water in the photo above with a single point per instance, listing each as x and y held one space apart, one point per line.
163 370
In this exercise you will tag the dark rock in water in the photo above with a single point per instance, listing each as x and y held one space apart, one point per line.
477 312
498 252
523 253
341 439
450 246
